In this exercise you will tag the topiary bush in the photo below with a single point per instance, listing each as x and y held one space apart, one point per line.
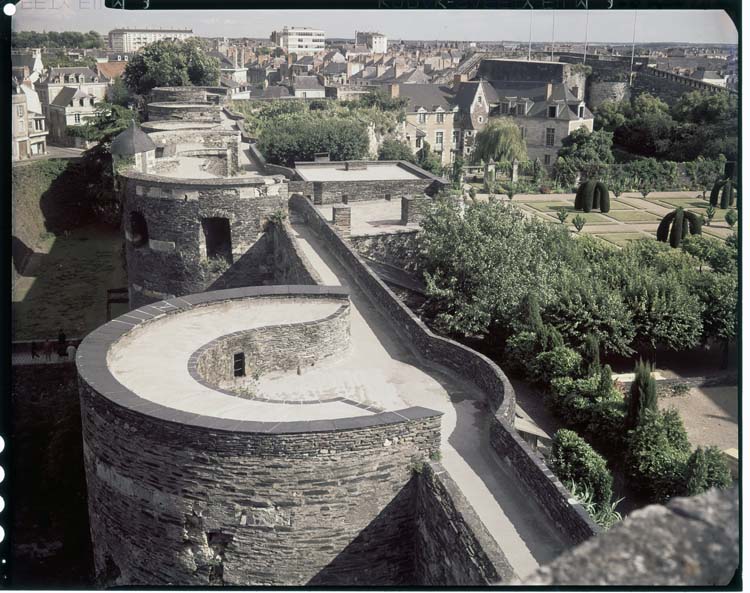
657 451
704 469
722 194
677 225
573 459
591 195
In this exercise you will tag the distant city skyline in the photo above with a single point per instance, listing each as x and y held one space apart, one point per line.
613 26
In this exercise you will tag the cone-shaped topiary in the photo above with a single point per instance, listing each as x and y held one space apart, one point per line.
601 197
682 223
642 395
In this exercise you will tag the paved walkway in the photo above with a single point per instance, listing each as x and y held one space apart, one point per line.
515 521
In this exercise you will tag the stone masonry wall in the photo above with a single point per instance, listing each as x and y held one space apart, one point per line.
274 348
398 249
572 520
207 112
291 265
414 208
453 547
332 192
173 262
175 504
601 91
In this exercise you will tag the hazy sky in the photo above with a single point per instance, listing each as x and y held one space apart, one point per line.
698 26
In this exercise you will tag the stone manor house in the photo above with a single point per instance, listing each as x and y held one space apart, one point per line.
448 117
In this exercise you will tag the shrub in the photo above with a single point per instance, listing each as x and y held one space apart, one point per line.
572 458
604 387
579 222
561 361
722 189
519 350
603 514
705 469
562 215
601 197
731 218
642 394
676 225
657 451
591 354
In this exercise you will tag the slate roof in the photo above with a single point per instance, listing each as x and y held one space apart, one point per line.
307 83
131 141
66 95
21 60
271 92
224 61
85 70
429 96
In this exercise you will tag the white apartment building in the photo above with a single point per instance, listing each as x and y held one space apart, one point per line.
377 43
131 40
302 41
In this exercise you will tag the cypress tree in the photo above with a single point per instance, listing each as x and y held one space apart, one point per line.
642 395
604 388
714 197
726 194
591 354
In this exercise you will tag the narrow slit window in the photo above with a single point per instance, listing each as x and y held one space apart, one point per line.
239 364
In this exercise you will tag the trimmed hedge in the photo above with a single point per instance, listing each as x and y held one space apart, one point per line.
574 459
677 225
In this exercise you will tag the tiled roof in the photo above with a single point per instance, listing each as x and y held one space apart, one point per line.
309 83
111 70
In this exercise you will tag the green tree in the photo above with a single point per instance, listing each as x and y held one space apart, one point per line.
501 140
299 137
642 395
610 115
428 159
108 121
171 63
119 94
588 152
705 469
395 150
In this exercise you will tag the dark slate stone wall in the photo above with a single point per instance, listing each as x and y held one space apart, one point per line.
414 208
453 546
173 264
473 366
690 542
178 94
206 112
398 249
286 347
332 192
175 504
291 265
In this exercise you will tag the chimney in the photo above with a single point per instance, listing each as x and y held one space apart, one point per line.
548 94
394 90
458 79
242 57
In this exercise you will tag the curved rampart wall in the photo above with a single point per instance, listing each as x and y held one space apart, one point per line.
273 348
527 465
208 112
173 262
179 499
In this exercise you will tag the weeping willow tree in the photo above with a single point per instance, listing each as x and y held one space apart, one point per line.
501 140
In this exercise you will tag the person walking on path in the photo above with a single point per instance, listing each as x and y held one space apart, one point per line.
71 351
62 344
48 350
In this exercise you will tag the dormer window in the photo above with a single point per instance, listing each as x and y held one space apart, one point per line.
552 111
580 110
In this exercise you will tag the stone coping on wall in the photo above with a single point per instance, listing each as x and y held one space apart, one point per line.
174 125
414 170
207 183
94 372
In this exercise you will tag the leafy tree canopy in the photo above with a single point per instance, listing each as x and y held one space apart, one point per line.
501 140
395 150
171 63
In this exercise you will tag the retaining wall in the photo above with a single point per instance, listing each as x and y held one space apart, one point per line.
526 464
394 248
453 546
205 112
291 265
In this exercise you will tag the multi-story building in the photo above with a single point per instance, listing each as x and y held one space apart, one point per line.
83 78
131 40
72 106
29 128
376 43
300 40
449 117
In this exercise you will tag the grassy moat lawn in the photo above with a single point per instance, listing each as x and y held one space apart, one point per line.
65 284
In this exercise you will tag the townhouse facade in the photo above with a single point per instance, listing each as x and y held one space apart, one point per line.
300 40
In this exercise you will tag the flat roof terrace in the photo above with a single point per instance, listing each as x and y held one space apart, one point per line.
150 360
365 171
